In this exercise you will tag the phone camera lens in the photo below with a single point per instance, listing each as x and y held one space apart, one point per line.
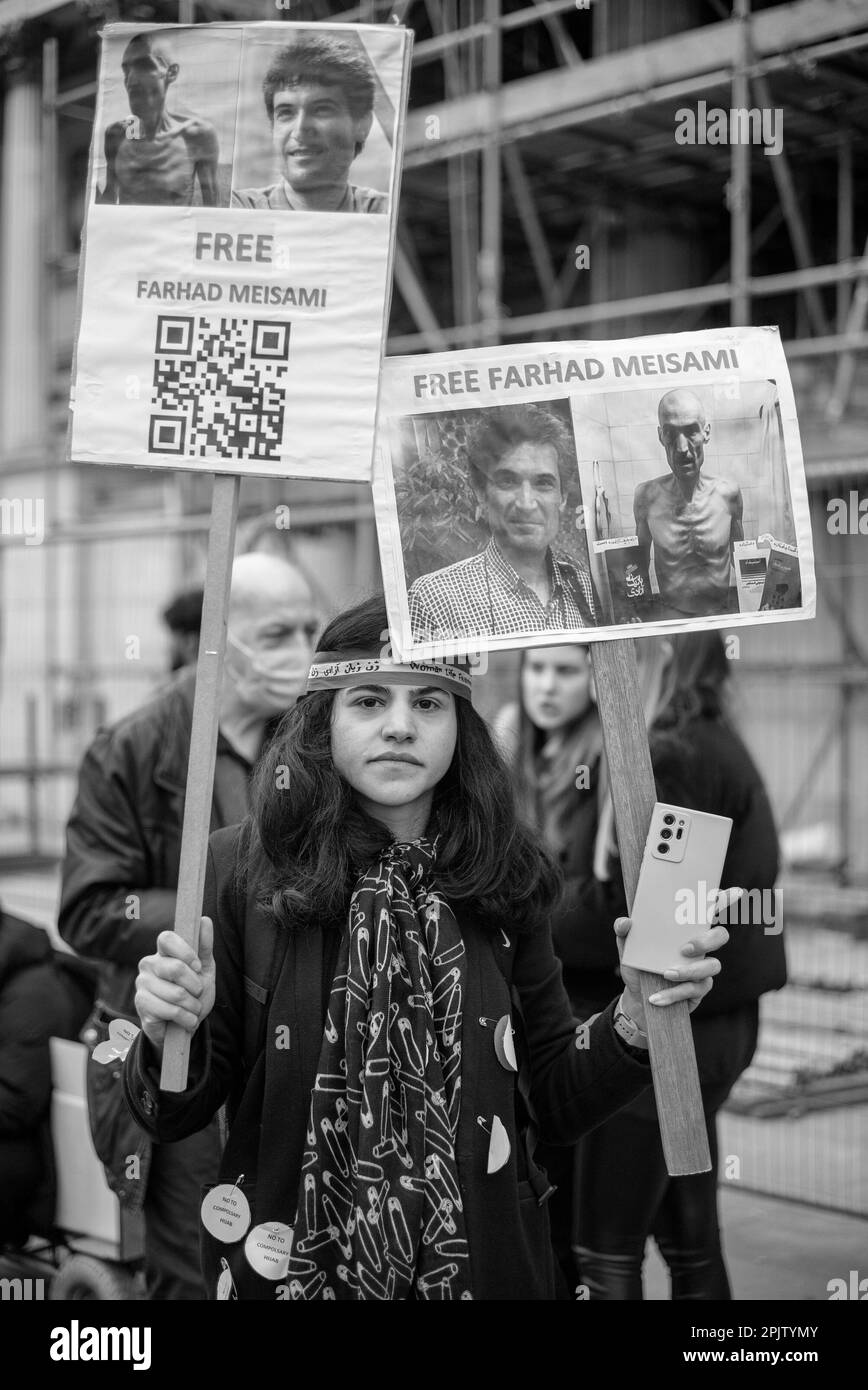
669 819
663 849
666 834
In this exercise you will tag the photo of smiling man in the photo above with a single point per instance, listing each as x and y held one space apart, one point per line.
319 94
522 468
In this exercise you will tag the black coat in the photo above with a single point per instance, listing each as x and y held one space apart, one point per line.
119 884
35 1004
713 772
570 1088
123 838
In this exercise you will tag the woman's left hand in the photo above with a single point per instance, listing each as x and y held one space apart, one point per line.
690 977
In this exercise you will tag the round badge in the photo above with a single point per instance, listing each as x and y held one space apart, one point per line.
499 1147
225 1213
120 1037
268 1248
504 1045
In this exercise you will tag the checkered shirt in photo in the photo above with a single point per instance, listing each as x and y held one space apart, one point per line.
483 596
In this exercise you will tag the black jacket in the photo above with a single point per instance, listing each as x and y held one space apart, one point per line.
123 839
119 884
569 1088
713 772
35 1005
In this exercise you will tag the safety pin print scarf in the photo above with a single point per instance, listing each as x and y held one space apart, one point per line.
380 1211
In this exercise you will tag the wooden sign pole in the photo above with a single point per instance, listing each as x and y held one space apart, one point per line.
673 1060
203 749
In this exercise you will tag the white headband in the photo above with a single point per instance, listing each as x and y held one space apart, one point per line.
338 670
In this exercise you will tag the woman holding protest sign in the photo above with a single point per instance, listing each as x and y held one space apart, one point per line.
390 1027
618 1192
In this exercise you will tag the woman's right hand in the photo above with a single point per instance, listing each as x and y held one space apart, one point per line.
176 985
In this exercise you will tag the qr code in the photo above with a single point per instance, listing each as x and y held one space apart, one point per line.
218 387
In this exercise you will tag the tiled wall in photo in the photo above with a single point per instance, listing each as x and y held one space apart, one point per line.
629 452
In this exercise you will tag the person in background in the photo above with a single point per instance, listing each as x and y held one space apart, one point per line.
120 877
38 1001
183 618
615 1192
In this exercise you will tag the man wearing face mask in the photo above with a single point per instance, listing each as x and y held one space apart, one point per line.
120 877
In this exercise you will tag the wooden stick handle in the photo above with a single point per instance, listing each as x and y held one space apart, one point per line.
203 750
670 1038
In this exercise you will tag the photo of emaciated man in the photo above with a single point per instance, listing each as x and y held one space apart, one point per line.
691 519
156 155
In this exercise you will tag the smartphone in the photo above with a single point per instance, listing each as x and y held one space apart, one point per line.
678 882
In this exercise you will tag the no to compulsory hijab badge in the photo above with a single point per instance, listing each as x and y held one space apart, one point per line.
226 1215
225 1212
268 1247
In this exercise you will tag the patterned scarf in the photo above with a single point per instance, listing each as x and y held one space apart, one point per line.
380 1213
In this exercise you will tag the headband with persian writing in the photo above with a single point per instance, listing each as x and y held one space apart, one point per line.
337 670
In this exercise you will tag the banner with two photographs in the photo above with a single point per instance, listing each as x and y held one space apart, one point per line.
238 247
529 494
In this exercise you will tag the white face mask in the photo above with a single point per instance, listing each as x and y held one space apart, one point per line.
267 682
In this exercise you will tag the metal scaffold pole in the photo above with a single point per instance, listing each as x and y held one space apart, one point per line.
490 252
739 183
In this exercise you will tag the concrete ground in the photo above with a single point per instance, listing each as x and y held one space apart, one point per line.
779 1250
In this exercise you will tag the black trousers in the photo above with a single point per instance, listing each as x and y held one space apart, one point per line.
22 1175
172 1204
613 1190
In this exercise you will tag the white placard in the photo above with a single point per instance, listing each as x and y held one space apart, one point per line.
238 247
531 493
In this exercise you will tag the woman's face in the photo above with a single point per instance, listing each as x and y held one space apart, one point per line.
393 744
556 685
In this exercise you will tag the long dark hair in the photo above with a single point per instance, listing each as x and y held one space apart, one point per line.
694 684
316 837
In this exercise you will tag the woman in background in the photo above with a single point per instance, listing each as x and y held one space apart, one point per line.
620 1191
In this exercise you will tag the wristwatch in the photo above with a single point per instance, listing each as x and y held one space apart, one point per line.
628 1030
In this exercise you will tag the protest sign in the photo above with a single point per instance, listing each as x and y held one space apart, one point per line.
235 277
528 493
234 291
539 494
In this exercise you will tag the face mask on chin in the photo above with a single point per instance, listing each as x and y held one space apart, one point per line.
267 682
